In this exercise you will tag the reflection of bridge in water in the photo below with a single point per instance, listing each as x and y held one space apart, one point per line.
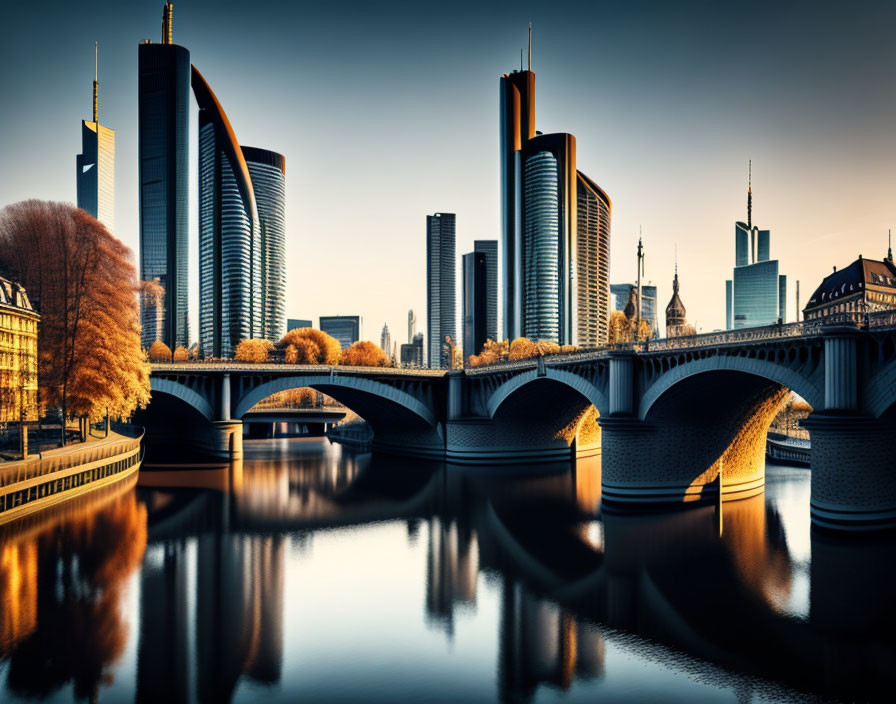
679 420
565 575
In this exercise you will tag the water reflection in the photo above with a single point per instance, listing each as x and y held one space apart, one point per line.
304 570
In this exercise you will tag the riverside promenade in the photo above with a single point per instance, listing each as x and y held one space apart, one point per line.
42 480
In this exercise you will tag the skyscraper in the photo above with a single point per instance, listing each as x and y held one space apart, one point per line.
412 325
756 294
489 248
475 302
440 287
345 328
230 295
516 101
386 340
95 165
549 238
163 149
592 262
267 171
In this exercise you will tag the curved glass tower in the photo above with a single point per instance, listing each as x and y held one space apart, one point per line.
593 262
163 144
267 171
548 252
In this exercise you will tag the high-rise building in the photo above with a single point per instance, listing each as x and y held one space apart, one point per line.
475 302
412 325
516 100
163 151
345 328
230 296
267 171
386 340
296 323
592 262
549 233
540 194
95 165
242 231
440 287
620 294
756 294
489 248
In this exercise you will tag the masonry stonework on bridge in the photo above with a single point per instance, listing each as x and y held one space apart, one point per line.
675 420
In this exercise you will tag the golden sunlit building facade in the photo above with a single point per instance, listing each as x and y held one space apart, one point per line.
18 354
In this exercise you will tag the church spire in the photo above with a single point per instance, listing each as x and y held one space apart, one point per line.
750 196
890 246
675 280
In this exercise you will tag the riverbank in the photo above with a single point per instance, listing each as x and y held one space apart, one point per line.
43 480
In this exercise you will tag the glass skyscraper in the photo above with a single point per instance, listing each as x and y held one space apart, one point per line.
441 290
475 302
163 149
489 248
267 170
95 167
549 239
345 328
592 262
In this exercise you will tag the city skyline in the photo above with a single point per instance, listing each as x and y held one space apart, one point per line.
742 108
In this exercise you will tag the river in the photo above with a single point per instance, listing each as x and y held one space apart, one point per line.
311 572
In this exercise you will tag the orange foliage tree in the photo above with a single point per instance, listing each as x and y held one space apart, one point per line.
622 329
253 350
159 352
491 352
180 354
83 283
522 348
364 354
310 346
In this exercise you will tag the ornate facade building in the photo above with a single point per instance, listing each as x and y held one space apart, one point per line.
18 354
865 286
676 314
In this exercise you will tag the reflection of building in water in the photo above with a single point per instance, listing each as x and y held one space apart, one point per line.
18 594
452 564
540 643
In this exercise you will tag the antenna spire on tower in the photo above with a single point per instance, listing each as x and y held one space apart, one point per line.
530 46
750 196
96 85
168 23
890 245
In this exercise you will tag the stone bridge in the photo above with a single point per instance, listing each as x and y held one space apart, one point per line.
676 420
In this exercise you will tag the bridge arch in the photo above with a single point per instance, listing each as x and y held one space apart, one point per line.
597 398
880 391
345 389
771 371
160 385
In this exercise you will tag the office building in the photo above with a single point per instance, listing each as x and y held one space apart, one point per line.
592 262
296 323
163 150
95 165
756 294
621 293
475 302
18 354
386 340
440 287
411 354
267 171
345 328
489 248
412 325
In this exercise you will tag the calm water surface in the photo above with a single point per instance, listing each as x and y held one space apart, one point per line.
308 572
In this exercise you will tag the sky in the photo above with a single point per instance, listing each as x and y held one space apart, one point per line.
387 112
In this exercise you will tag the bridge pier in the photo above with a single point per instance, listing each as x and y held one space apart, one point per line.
221 438
853 487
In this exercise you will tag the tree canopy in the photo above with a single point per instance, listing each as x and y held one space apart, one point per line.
310 346
159 352
364 354
81 280
253 350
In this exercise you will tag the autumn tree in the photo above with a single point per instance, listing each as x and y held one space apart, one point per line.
364 354
622 329
180 354
159 352
310 346
491 352
83 283
253 350
522 348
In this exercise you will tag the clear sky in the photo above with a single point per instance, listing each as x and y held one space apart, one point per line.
389 111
